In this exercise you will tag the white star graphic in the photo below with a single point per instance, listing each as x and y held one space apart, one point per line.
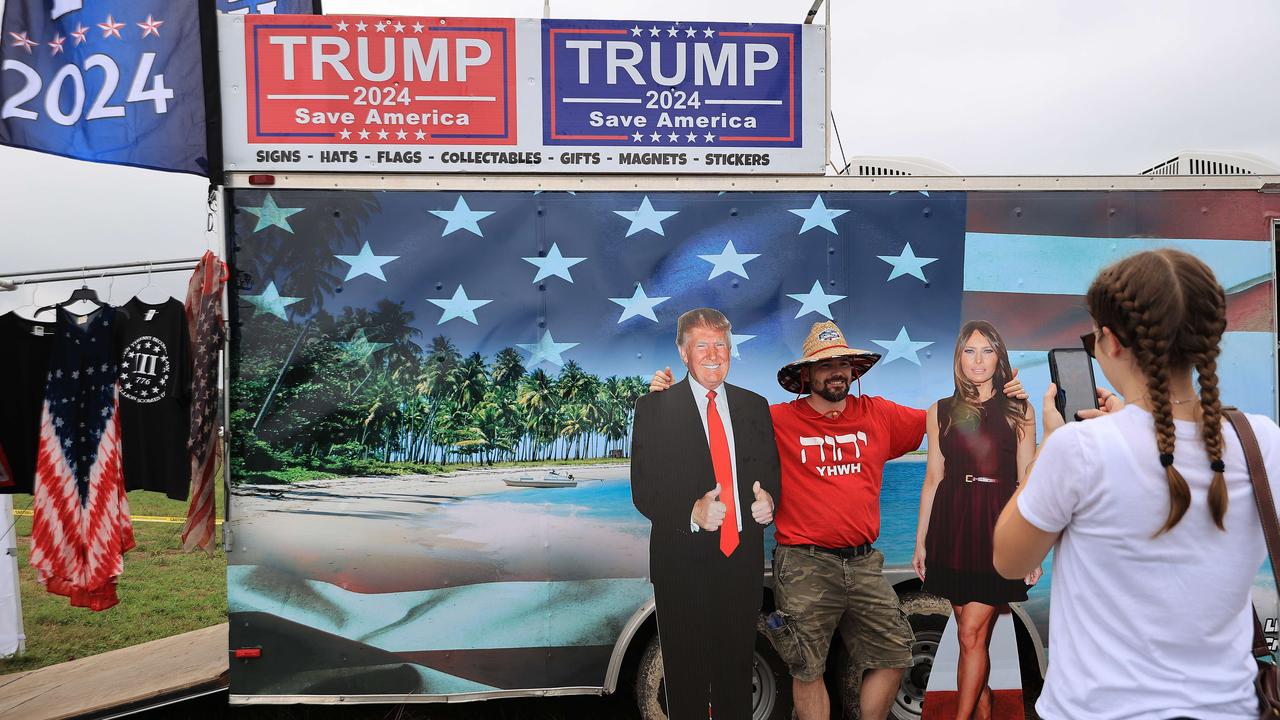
359 349
672 31
906 263
421 134
655 137
635 31
710 137
653 31
361 27
815 301
546 349
150 27
381 27
735 341
691 137
709 32
366 263
638 305
637 136
401 134
459 306
729 261
462 217
345 134
817 215
645 218
383 134
922 192
271 214
364 134
271 302
902 347
553 264
417 27
399 26
56 44
673 137
111 27
690 32
342 25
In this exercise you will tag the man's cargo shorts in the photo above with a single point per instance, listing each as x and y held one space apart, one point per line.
817 590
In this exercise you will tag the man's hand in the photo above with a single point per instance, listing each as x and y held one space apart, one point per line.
762 507
661 380
1014 388
708 511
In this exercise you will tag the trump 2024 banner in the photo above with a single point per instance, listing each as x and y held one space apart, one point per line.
430 94
112 81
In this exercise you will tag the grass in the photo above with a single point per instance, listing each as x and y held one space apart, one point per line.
163 592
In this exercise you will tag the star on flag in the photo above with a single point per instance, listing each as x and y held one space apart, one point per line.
359 349
553 264
459 306
21 40
366 263
729 261
817 215
271 214
56 44
735 341
110 28
271 302
546 350
151 27
906 263
645 217
638 305
902 347
462 217
79 33
815 301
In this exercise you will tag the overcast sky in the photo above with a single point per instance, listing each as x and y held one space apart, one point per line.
1051 87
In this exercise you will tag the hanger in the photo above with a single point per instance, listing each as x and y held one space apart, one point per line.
150 284
84 292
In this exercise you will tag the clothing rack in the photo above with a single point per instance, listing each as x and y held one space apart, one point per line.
85 272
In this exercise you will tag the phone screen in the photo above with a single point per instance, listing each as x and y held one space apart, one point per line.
1072 372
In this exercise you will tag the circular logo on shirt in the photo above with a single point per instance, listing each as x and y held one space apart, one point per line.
144 374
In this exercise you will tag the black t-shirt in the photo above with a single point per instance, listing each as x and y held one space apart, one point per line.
25 346
155 397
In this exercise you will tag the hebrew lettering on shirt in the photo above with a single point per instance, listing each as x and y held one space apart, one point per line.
812 441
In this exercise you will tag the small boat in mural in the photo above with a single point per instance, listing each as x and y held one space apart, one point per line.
551 479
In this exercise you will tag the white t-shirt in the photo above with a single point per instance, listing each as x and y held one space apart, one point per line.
1147 627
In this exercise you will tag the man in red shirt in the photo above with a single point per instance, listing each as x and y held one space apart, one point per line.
832 448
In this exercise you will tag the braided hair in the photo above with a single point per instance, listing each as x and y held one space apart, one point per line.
1167 307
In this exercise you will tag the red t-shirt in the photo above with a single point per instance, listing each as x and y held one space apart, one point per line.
831 468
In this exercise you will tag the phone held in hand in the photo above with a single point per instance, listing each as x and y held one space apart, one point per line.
1071 370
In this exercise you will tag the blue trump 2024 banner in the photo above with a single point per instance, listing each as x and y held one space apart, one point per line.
111 81
671 84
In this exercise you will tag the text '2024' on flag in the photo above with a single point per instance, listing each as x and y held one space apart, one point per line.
116 81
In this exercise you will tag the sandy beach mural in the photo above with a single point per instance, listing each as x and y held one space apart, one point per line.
400 357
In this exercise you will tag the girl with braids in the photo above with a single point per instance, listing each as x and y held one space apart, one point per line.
1149 508
980 443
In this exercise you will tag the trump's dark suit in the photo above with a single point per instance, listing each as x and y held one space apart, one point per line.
707 603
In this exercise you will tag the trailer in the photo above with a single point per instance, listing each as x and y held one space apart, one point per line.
447 585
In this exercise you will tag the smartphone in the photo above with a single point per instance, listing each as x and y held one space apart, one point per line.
1071 369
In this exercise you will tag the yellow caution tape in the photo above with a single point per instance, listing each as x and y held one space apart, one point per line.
135 518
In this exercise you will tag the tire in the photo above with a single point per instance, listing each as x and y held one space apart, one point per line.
928 616
770 682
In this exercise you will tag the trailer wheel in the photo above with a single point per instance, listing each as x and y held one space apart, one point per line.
928 616
770 684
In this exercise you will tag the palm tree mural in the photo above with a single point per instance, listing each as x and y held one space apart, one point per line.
360 388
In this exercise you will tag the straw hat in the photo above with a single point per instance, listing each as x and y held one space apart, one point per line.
825 341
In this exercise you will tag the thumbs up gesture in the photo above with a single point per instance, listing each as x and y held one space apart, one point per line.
762 506
708 511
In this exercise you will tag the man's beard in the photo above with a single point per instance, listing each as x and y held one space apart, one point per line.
832 394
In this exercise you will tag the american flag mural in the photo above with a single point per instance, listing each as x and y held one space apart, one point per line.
378 335
81 528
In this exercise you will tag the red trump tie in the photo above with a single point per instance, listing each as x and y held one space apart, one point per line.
719 443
